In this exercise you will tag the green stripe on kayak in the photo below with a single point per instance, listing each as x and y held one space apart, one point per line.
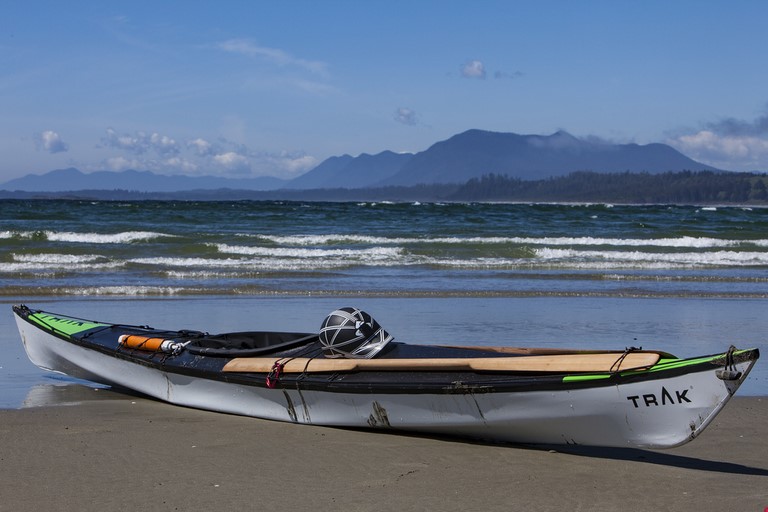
667 364
63 324
581 378
663 364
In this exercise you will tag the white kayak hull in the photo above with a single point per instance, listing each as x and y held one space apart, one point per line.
652 413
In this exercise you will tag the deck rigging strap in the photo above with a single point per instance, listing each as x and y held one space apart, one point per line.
615 367
273 377
729 371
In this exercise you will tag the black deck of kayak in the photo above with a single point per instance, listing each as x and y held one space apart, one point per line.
221 348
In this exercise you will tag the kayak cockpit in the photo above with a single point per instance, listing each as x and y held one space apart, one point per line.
248 344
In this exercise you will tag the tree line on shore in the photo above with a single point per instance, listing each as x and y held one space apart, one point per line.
686 187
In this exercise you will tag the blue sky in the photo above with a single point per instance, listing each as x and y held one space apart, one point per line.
255 88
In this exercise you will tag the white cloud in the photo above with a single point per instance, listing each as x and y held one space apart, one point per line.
201 147
276 56
233 162
476 68
125 142
301 164
178 164
51 142
729 143
293 165
199 156
729 152
120 163
172 165
473 69
141 142
406 116
163 144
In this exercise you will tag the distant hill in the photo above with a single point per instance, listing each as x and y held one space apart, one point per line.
475 153
352 172
468 155
63 180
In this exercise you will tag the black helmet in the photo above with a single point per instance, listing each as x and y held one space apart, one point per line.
349 332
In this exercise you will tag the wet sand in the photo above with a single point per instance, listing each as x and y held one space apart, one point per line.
117 452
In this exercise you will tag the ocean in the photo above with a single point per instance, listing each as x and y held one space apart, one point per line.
686 279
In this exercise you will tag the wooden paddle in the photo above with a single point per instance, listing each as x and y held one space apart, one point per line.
538 351
570 363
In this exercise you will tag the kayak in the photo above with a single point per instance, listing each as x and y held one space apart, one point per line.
352 373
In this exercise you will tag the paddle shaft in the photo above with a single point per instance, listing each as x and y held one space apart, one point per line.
576 363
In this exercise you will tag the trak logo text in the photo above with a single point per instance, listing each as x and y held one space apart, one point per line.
665 398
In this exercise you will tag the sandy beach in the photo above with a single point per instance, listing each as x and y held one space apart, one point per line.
109 451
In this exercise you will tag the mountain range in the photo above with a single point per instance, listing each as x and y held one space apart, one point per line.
71 179
458 159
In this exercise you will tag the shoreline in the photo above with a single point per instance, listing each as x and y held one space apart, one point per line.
179 293
110 451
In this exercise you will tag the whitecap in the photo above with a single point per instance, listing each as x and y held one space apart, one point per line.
104 238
